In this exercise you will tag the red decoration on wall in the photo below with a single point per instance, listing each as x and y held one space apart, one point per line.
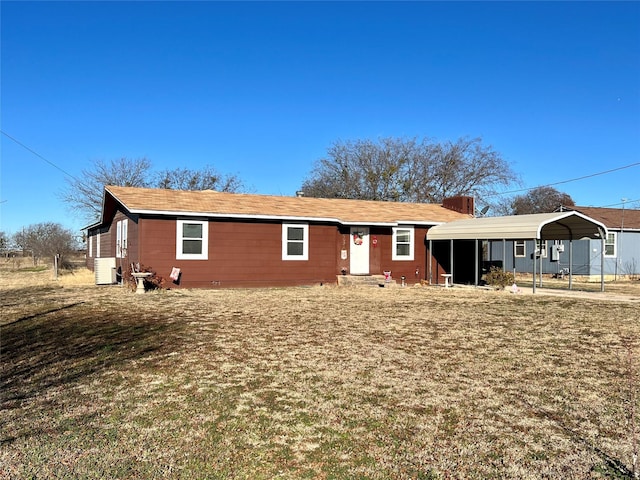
374 240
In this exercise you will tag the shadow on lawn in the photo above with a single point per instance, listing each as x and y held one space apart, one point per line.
52 350
612 467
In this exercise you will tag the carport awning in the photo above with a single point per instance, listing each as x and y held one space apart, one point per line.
543 226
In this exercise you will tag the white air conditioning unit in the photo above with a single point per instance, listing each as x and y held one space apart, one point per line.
105 270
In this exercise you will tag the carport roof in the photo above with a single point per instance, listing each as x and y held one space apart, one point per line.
544 226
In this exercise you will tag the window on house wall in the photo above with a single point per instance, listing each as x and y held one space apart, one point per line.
541 249
98 245
295 241
90 245
192 240
519 248
403 243
122 228
610 243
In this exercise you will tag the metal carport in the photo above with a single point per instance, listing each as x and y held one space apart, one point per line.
540 226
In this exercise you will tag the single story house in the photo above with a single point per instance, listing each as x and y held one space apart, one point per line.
584 259
503 241
215 239
622 243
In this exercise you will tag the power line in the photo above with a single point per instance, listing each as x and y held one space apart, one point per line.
626 202
37 154
490 195
570 180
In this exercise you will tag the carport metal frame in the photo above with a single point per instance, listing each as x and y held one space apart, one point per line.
569 226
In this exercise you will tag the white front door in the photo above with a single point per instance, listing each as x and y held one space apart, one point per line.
359 251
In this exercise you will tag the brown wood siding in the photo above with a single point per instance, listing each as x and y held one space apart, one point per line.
91 253
105 243
343 238
133 243
239 254
245 254
381 256
108 238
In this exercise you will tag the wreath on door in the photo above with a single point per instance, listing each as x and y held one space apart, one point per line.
357 238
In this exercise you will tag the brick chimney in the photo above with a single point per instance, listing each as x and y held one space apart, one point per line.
461 204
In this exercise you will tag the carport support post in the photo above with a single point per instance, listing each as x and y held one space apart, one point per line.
430 261
602 261
451 261
476 262
504 256
540 250
534 264
570 264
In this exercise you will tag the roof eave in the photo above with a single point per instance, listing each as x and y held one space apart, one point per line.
515 227
246 216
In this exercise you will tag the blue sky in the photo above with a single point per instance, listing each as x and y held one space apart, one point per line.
261 89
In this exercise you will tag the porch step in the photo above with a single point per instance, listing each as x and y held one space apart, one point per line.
364 281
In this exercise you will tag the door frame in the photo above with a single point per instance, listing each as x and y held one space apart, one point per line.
359 252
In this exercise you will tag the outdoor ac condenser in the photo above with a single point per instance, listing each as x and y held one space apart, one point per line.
105 270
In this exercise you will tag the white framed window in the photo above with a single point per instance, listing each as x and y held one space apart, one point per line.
610 245
98 245
541 249
403 243
295 241
519 248
192 240
90 246
122 227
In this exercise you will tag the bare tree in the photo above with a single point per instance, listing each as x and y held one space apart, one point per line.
46 240
540 200
205 179
4 243
364 169
466 167
408 170
84 193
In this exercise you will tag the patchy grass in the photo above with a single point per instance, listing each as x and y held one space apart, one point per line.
421 383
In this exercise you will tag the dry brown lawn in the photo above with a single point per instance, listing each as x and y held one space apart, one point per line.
319 382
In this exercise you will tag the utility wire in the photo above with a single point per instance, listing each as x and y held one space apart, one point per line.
570 180
502 193
37 154
620 203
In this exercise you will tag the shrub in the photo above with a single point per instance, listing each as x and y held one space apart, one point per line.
496 277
